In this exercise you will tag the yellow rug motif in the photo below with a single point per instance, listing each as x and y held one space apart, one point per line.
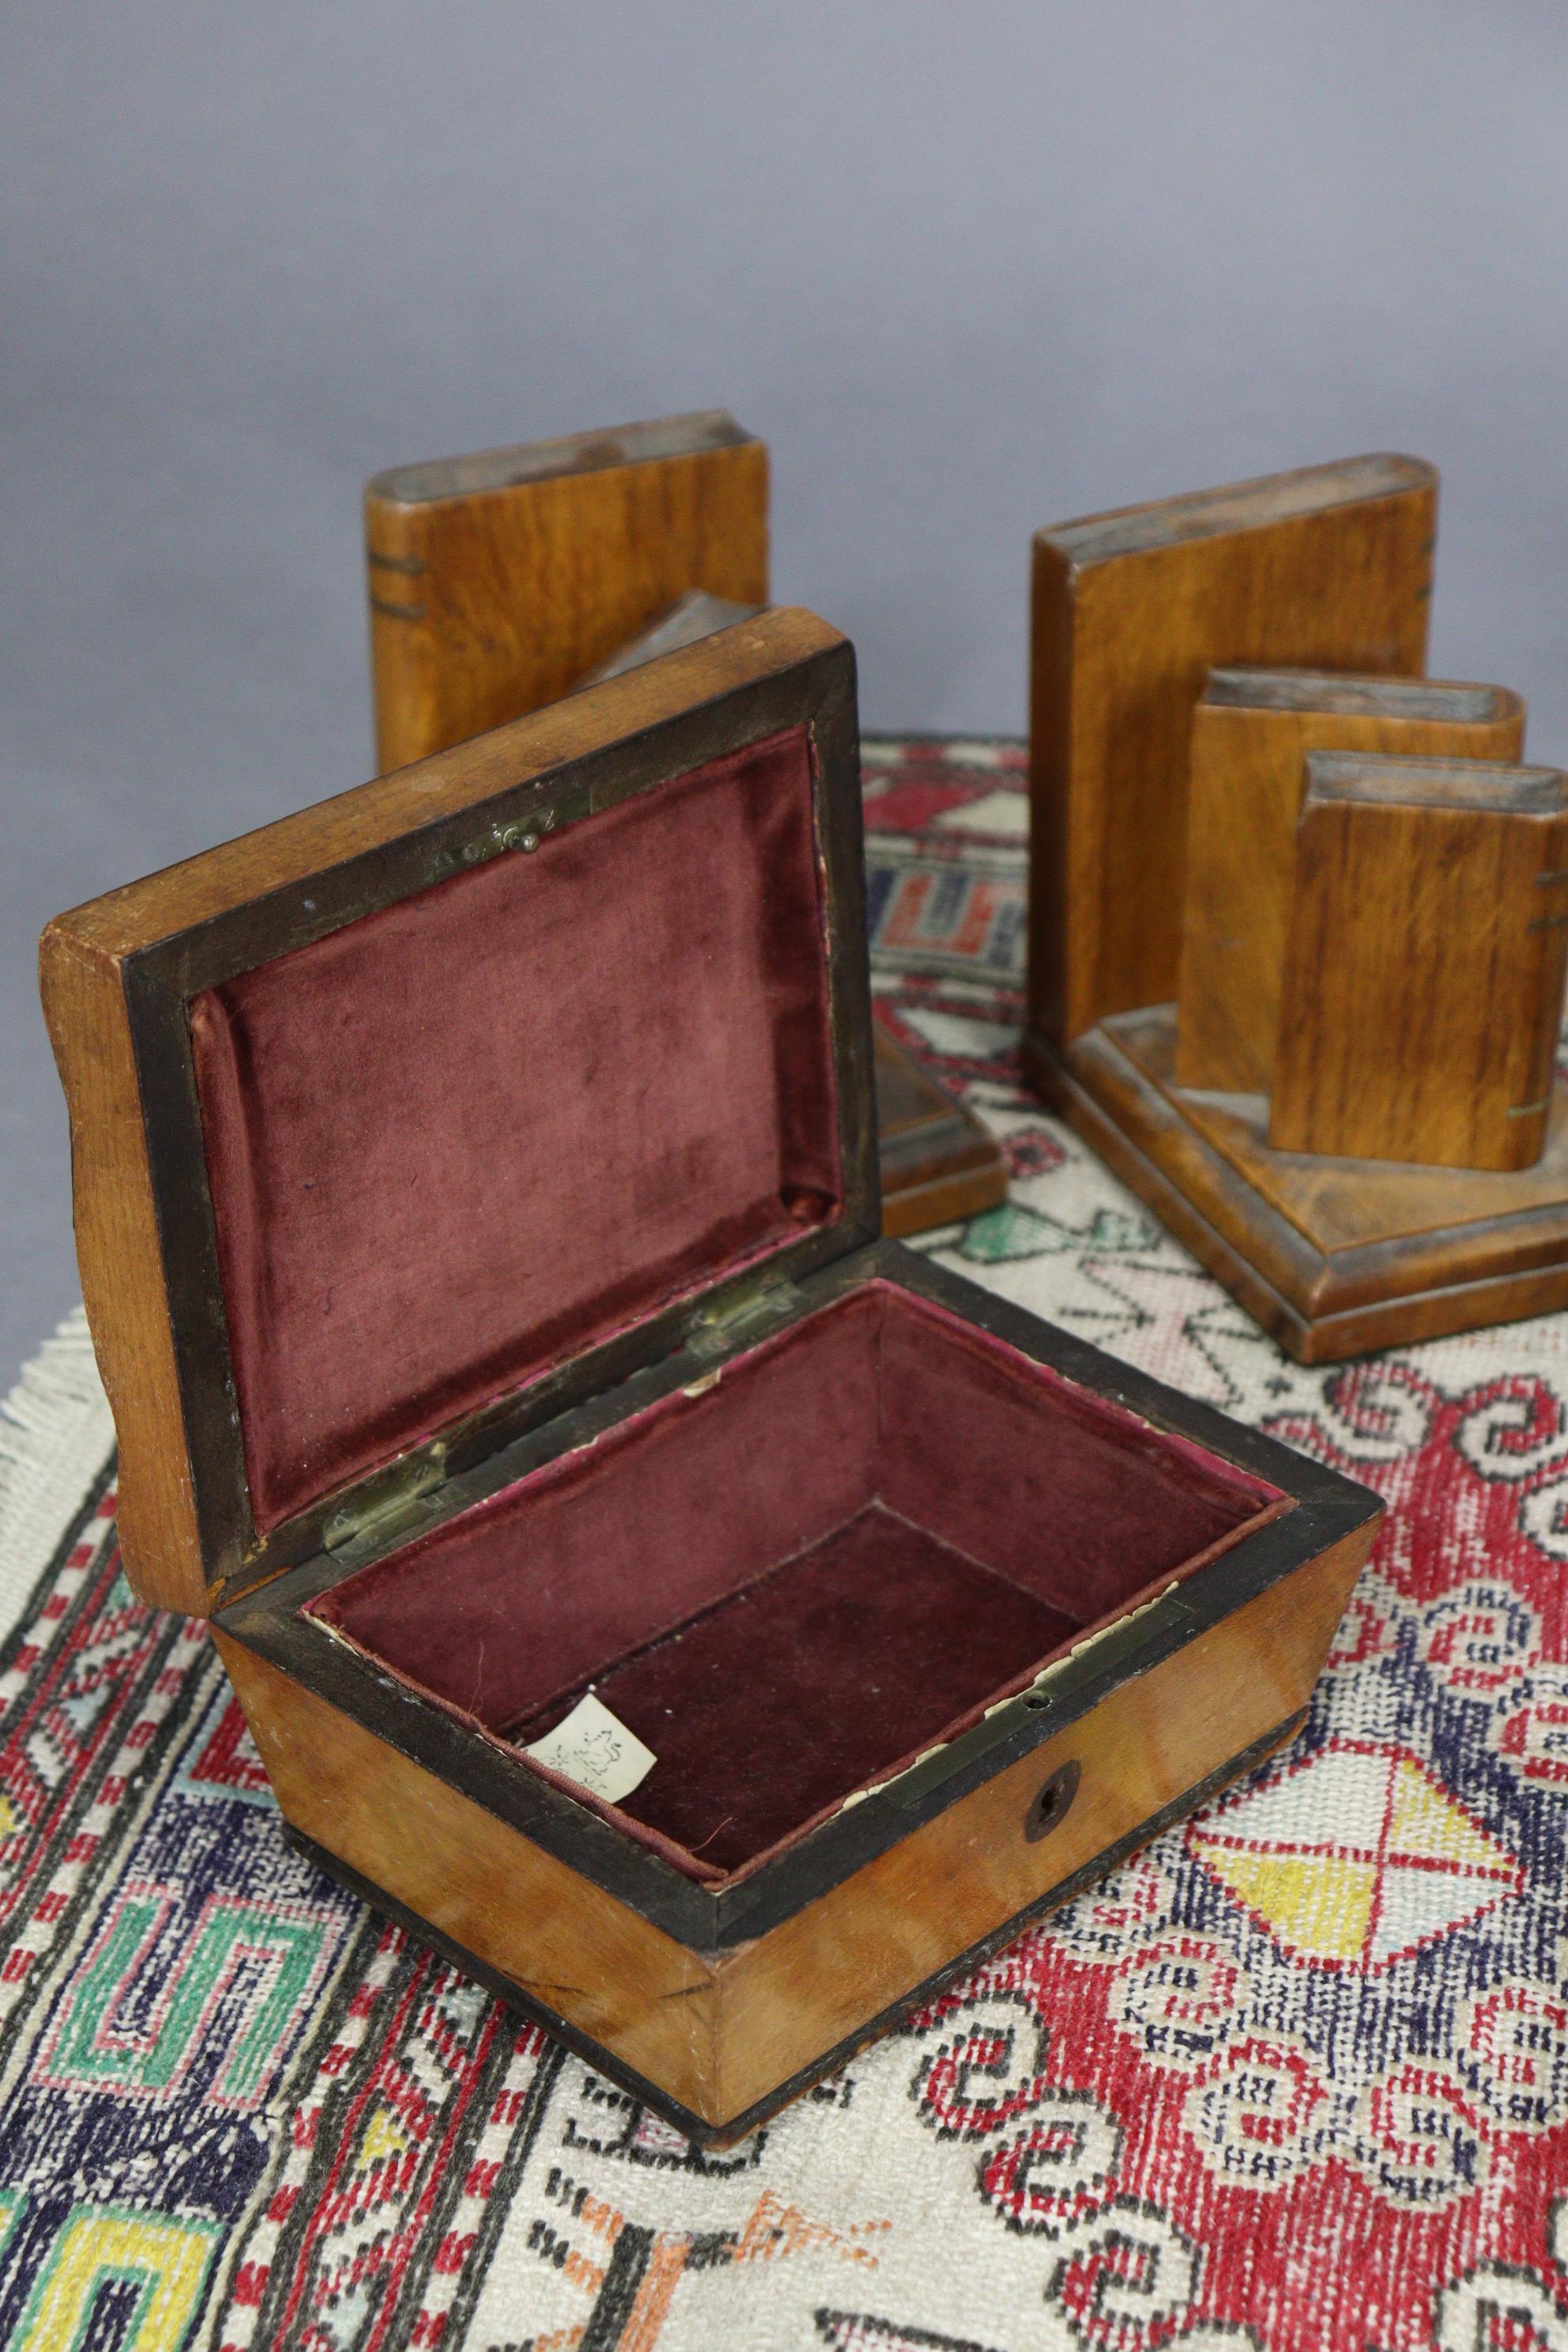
1355 1857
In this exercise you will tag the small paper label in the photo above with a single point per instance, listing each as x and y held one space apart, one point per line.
593 1747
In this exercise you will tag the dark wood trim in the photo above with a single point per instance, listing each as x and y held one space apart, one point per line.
187 1243
735 2127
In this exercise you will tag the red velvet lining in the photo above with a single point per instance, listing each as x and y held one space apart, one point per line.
491 1125
790 1583
778 1700
542 1585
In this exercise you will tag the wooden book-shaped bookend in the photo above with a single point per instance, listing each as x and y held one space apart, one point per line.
499 580
1423 979
1329 568
502 581
1253 730
1330 1065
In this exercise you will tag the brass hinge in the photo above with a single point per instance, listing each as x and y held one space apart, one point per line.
713 1331
400 1499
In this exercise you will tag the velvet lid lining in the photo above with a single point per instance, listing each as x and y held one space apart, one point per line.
486 1128
792 1582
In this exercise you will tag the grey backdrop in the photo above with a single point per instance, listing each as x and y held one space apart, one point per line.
968 267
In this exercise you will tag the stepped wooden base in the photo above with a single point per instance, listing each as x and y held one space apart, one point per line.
938 1163
1335 1257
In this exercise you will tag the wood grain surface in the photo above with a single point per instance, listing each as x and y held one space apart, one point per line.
803 1988
1422 988
1327 568
592 1959
121 1265
720 2033
497 581
1252 731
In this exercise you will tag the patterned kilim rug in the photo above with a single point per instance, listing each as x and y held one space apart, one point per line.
1295 2078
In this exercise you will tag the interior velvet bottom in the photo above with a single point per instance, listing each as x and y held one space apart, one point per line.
790 1582
773 1704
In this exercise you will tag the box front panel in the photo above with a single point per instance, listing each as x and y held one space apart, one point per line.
819 1979
718 2037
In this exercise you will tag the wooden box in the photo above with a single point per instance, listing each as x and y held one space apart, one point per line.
475 1199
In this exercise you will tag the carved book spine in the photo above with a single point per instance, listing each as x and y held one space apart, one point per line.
1423 977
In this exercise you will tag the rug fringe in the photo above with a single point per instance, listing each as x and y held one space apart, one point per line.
56 1435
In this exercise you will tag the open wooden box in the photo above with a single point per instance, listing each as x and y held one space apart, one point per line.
476 1200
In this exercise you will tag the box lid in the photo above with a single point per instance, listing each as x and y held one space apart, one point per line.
407 1122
